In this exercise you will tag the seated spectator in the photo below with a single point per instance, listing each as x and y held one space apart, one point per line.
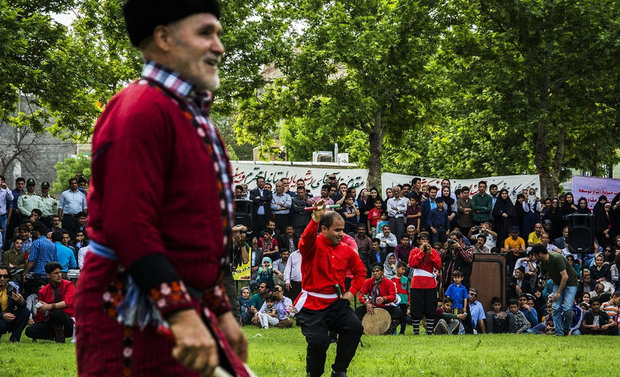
612 307
402 251
484 229
286 304
476 314
536 236
289 240
518 283
81 240
529 312
546 326
497 319
265 273
514 247
586 285
64 255
81 256
447 322
257 300
53 319
280 265
268 315
600 272
479 246
578 313
518 324
597 322
245 305
575 263
457 292
15 259
389 266
379 292
529 265
66 242
599 289
387 240
546 240
268 244
13 312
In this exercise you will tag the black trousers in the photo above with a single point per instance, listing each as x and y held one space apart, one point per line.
232 293
423 303
16 326
316 324
294 291
45 329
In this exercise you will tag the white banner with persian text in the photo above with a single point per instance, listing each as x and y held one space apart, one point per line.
314 177
592 188
513 183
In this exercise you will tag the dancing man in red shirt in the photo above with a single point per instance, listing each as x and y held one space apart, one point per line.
322 307
424 286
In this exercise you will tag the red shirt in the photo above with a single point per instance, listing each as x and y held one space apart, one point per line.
416 260
374 215
46 294
387 289
323 265
145 195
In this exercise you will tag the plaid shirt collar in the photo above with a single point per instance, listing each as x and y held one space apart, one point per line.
177 84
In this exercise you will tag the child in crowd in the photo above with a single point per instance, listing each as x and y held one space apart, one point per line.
497 319
265 273
244 306
574 263
517 322
528 311
350 214
546 326
575 327
402 290
268 314
383 222
597 322
374 215
269 245
457 292
414 212
447 322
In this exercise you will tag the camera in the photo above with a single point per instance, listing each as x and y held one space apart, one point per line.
9 289
478 227
451 242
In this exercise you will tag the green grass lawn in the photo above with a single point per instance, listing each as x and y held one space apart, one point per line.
277 352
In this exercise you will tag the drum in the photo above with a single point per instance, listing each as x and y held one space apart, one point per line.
376 323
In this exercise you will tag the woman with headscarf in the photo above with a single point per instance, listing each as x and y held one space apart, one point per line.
389 266
519 213
554 214
568 207
370 203
504 215
244 306
582 206
450 206
531 210
361 200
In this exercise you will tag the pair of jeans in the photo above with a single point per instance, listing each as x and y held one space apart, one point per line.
563 309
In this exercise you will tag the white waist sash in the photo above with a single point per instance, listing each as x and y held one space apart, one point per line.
421 272
304 296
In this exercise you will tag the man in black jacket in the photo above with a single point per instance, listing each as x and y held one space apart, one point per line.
261 199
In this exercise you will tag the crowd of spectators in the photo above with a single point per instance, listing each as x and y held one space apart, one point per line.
38 230
459 226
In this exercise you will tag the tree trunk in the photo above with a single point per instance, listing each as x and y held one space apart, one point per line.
558 162
541 151
375 138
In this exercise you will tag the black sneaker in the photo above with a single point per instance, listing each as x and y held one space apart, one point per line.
338 374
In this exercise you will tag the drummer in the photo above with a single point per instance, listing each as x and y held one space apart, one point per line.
379 292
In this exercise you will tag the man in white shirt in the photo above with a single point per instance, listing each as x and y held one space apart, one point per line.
387 240
292 275
397 209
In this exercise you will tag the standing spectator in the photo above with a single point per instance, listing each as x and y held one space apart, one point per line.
261 199
427 206
554 214
568 206
531 210
438 222
292 275
351 215
449 204
281 206
457 257
424 260
280 264
603 222
29 201
403 249
13 312
504 215
6 198
49 205
458 292
402 290
481 204
564 286
414 213
72 201
373 218
397 209
475 313
325 190
466 219
42 252
53 319
364 245
299 216
14 218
